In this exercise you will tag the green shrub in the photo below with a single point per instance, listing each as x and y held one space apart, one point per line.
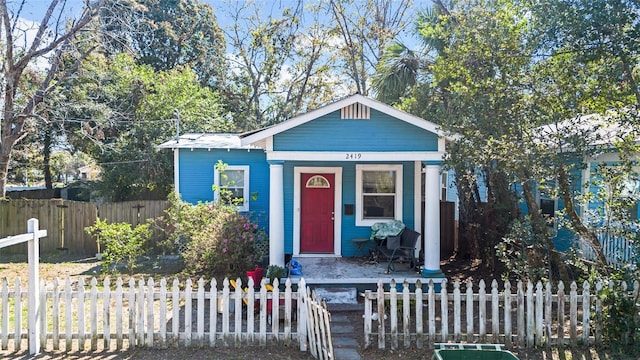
275 272
181 222
220 241
620 312
121 242
523 256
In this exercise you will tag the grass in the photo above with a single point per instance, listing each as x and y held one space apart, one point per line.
63 266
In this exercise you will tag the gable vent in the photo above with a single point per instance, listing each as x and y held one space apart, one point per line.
355 111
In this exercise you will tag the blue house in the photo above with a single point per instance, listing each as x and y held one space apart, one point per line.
321 179
598 135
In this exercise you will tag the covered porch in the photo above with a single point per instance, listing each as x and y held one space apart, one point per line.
359 272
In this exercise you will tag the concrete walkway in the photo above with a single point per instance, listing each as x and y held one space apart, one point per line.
345 345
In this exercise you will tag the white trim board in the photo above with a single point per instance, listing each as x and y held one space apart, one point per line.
355 156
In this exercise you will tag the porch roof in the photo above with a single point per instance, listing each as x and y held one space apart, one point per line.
206 141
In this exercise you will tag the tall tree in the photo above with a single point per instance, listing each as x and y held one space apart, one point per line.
475 77
53 41
119 112
278 67
594 31
588 53
169 33
365 28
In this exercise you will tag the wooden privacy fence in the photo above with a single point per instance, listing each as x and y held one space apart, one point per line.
527 315
66 220
118 315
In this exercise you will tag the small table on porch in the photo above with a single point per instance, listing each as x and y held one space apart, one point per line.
360 243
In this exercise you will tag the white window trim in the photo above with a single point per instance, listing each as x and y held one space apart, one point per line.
245 192
360 221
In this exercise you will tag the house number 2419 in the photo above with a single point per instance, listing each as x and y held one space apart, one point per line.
353 156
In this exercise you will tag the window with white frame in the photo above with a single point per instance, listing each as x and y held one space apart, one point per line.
232 186
378 193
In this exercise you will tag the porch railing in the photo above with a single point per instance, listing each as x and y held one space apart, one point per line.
617 249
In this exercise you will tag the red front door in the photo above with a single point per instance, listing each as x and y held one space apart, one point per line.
317 213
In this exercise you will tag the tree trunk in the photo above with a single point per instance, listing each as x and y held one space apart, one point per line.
576 221
540 227
468 218
47 158
5 159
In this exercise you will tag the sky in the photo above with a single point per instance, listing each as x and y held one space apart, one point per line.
34 10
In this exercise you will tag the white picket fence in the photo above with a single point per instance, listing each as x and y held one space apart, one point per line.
529 315
319 327
113 316
617 249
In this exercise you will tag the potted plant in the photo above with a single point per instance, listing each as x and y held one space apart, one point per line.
275 271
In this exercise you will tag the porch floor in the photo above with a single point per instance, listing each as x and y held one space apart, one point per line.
352 271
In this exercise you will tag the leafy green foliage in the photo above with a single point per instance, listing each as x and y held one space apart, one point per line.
169 34
125 110
522 256
475 83
122 243
217 240
619 314
275 272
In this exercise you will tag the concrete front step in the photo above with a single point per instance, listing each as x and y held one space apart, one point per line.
338 295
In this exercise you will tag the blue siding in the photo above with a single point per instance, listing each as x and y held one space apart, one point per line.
381 133
349 229
197 171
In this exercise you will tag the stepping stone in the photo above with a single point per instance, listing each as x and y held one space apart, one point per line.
346 354
345 342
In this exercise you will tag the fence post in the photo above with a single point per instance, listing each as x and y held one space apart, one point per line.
302 315
367 318
586 308
33 246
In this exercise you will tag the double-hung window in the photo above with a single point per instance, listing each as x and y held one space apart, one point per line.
232 186
378 193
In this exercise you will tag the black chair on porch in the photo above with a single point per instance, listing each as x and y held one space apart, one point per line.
399 247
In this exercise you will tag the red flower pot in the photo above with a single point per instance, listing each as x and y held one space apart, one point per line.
256 274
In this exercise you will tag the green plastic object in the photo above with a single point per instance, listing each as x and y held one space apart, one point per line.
472 352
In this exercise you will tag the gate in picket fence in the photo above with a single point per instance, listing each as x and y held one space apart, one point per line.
318 325
32 238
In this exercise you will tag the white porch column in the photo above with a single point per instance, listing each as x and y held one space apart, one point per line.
431 234
276 214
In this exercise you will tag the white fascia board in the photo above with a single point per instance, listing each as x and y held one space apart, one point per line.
354 156
327 109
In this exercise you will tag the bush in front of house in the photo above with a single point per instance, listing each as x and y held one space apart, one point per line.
122 243
220 242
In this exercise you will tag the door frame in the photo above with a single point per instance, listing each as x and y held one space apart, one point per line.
337 203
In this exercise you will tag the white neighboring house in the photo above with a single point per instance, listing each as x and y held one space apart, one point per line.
89 172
